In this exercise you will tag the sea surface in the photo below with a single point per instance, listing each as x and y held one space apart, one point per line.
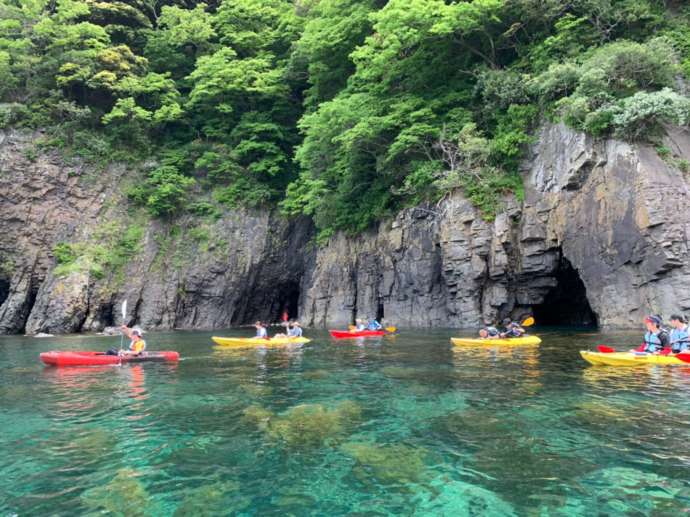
403 425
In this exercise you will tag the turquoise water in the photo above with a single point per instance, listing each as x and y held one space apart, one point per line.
393 426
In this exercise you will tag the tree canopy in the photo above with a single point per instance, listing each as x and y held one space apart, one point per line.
344 110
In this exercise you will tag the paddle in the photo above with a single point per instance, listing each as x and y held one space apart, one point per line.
527 322
124 315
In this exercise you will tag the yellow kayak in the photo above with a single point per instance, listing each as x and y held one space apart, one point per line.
627 358
512 341
248 342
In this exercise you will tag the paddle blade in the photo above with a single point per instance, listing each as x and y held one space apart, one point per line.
124 311
605 349
528 322
392 330
684 356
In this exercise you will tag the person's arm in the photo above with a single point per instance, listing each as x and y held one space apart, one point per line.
126 331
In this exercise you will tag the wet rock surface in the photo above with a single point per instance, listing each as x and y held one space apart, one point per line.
612 215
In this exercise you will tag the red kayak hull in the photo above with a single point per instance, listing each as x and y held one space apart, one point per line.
57 358
346 334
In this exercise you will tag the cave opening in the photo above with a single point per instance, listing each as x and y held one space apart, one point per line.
4 289
379 312
106 315
288 301
566 304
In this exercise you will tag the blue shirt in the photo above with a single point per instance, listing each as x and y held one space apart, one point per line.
374 325
680 340
261 332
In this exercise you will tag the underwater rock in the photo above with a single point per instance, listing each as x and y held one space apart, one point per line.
313 425
449 497
209 500
386 464
123 495
628 491
256 416
314 375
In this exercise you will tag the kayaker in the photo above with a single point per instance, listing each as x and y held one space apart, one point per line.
374 325
680 335
656 338
137 344
360 325
261 330
511 329
294 330
489 332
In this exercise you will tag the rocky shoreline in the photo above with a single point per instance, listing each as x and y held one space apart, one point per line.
601 237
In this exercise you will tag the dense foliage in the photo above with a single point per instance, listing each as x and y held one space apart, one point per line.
341 109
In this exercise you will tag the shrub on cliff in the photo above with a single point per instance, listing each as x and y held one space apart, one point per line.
606 78
164 192
643 114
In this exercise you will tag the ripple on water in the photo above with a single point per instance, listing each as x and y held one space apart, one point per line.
405 427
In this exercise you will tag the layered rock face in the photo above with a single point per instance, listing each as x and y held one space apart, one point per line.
613 213
602 234
242 266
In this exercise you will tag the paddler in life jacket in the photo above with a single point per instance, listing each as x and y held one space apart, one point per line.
656 338
360 325
680 335
294 329
511 329
374 324
489 332
137 345
261 330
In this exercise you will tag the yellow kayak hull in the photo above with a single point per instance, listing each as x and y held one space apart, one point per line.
513 341
251 342
627 359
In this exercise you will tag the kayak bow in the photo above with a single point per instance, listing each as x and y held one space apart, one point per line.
252 342
82 358
513 341
627 359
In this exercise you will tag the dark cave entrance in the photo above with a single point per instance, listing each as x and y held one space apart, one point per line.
566 304
4 289
379 312
288 301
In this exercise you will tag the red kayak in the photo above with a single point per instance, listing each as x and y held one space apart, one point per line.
345 334
56 358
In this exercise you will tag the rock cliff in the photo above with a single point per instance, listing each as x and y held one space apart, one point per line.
600 237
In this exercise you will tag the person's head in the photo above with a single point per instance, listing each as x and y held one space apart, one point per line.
136 334
678 320
652 322
483 333
296 324
507 322
258 324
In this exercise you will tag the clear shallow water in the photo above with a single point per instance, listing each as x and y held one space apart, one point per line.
404 426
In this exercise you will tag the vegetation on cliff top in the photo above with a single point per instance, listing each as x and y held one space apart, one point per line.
345 110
